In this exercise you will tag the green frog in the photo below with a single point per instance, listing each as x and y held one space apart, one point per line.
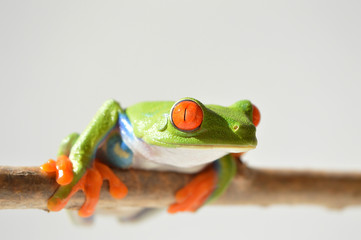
183 136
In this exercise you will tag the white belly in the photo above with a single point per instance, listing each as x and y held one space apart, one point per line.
187 160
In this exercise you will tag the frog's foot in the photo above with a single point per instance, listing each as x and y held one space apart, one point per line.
90 184
195 194
62 168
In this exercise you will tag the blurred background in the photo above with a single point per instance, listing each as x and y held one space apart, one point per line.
299 62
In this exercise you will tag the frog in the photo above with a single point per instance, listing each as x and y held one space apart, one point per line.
184 136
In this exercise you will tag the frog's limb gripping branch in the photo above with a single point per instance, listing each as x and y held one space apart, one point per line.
28 187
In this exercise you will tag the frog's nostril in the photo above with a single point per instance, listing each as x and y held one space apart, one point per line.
235 127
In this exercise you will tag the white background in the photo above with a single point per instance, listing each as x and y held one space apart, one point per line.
299 62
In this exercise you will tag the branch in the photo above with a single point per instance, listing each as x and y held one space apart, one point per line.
27 187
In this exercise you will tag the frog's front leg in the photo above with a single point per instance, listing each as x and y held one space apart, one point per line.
86 174
206 186
62 168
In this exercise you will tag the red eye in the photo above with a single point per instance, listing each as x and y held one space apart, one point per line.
187 115
256 118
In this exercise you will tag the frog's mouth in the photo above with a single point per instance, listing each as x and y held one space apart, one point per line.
226 148
220 147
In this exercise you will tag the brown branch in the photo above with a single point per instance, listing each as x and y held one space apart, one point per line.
27 187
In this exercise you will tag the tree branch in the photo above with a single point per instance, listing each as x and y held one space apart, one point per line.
28 187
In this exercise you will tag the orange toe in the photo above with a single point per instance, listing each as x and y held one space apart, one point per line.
91 188
191 187
49 167
195 194
116 188
64 170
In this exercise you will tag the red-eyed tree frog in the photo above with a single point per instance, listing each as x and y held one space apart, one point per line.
183 136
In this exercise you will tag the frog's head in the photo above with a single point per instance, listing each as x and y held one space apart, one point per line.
188 123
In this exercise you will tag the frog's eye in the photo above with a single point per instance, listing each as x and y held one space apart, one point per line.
187 115
256 118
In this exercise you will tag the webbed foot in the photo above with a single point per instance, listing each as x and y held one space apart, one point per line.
62 168
90 183
195 194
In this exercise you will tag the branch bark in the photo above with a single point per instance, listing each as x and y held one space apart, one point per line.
28 187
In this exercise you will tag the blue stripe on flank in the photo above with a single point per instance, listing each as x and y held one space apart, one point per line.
126 128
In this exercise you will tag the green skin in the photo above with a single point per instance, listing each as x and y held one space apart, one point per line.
228 128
